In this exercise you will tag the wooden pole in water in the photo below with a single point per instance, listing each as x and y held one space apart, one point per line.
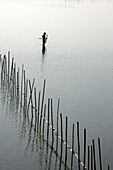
6 67
78 144
57 124
44 118
91 157
2 69
72 146
30 92
61 131
88 158
8 64
52 121
15 77
26 91
31 89
24 88
48 119
94 154
35 105
14 80
18 82
22 82
99 147
42 101
66 141
38 107
84 149
108 167
3 63
11 69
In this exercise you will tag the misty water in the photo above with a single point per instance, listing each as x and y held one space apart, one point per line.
78 67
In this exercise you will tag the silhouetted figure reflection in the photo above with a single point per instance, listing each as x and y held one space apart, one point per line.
43 49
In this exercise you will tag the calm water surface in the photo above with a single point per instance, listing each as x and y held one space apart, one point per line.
78 61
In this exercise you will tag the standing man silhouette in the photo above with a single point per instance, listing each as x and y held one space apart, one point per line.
44 38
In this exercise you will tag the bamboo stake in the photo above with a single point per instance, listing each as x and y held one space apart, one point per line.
91 157
57 124
84 149
14 81
72 146
31 98
24 88
5 66
52 121
61 131
88 158
48 119
78 144
18 82
2 70
35 104
44 118
31 90
94 154
22 82
26 91
15 76
38 107
100 160
66 142
12 68
8 64
42 101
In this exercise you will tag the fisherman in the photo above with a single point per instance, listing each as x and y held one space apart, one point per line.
44 38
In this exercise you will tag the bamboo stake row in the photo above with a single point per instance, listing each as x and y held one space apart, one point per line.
10 75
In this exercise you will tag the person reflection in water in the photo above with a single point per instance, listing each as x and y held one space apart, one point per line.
44 41
43 49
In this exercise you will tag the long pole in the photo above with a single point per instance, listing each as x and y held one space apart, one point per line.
57 124
22 82
44 118
52 121
8 64
99 147
84 149
61 131
88 158
42 101
72 146
48 119
38 107
78 144
66 141
94 154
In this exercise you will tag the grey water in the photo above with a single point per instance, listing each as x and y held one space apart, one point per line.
77 64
